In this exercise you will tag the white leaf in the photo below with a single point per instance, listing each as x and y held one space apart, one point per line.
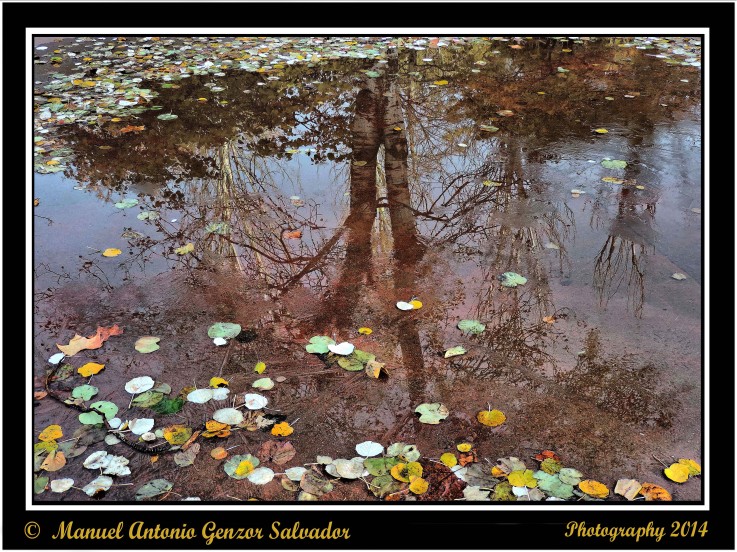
102 483
139 426
402 305
115 423
111 439
200 396
139 385
261 476
99 459
369 448
330 468
679 276
348 469
220 394
55 359
229 416
344 348
254 401
295 474
220 341
519 491
118 466
61 485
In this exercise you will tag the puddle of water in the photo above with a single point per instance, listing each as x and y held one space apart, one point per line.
398 187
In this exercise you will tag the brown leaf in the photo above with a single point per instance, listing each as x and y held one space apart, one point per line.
274 451
38 395
467 457
54 461
79 343
544 455
131 128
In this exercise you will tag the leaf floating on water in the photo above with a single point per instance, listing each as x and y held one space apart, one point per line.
491 418
147 344
512 279
221 228
612 180
111 252
432 413
184 249
471 326
679 276
127 203
455 351
613 164
150 215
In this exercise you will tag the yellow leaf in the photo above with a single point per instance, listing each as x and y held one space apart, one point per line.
496 471
601 131
594 488
50 433
115 120
260 367
374 368
640 187
111 252
491 418
464 447
693 467
219 453
54 461
520 478
612 180
365 331
154 459
416 304
566 50
213 425
46 446
244 468
218 382
90 368
418 485
654 492
398 472
177 434
52 162
397 128
677 472
491 183
541 93
283 429
201 99
449 459
184 249
441 82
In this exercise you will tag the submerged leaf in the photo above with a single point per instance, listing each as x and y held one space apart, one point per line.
471 326
455 351
512 279
613 164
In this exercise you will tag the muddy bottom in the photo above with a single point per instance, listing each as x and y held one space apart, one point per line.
316 197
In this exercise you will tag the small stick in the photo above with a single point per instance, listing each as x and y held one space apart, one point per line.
227 354
659 460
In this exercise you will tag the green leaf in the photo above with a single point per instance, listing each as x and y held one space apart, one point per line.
90 418
488 128
455 351
380 466
562 70
552 485
372 74
147 399
39 484
384 485
432 413
106 407
127 203
503 493
84 392
613 164
226 330
167 116
512 279
239 466
221 228
471 326
150 215
319 344
350 363
154 488
263 383
551 466
570 476
147 344
168 406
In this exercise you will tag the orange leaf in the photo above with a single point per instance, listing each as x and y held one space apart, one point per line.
90 368
54 461
544 455
219 453
131 128
293 235
594 488
467 457
654 492
79 343
282 429
549 319
38 395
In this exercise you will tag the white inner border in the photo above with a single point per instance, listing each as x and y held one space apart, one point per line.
363 31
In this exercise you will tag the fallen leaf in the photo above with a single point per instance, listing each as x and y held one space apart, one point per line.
293 235
111 252
36 202
679 276
54 461
471 326
365 331
449 459
376 369
455 351
139 385
275 451
218 453
464 447
97 485
613 164
369 448
139 426
38 395
51 433
79 343
677 472
282 429
187 458
226 330
693 467
177 434
416 304
549 319
654 492
132 128
601 131
505 112
147 344
61 485
553 466
184 249
440 82
261 476
432 413
260 367
218 382
491 418
512 279
403 305
89 369
594 488
418 485
343 348
628 488
229 416
475 493
465 458
152 488
612 180
547 454
402 471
